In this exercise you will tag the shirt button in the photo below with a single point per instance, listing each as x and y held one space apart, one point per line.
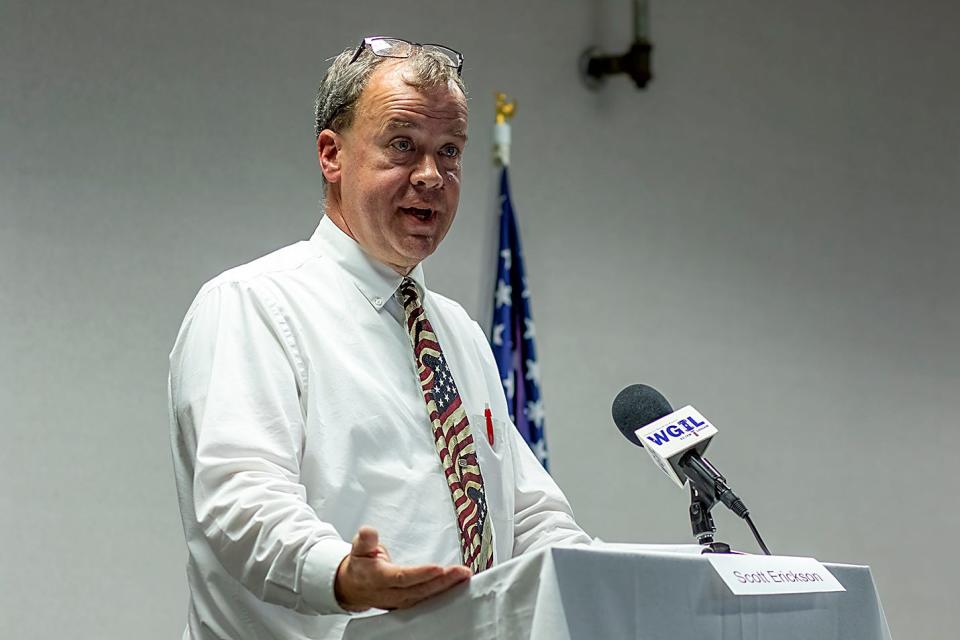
463 463
378 301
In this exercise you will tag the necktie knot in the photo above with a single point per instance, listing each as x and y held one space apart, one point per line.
409 294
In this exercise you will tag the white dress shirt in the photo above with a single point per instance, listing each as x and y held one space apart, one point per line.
297 416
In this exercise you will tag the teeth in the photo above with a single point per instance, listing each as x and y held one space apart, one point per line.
423 214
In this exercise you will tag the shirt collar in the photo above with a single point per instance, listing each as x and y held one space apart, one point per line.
375 280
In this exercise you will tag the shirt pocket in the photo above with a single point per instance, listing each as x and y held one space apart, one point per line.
496 467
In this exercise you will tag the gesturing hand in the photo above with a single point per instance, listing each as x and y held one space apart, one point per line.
366 578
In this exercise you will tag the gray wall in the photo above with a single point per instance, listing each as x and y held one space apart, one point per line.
769 232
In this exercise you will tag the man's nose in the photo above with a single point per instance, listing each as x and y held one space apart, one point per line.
426 174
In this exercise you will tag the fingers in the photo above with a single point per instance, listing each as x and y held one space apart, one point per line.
366 542
399 577
403 597
366 577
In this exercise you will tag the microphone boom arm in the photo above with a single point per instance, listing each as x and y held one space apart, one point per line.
705 477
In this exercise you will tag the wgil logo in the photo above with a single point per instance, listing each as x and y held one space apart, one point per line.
679 429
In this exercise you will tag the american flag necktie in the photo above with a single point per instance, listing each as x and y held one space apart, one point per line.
451 433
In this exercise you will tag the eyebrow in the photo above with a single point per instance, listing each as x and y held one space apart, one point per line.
395 124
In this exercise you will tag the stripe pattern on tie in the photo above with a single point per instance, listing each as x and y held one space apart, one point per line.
451 433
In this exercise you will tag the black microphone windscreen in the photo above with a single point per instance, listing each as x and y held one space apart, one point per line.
637 406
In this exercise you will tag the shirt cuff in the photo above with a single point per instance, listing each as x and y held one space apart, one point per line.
319 573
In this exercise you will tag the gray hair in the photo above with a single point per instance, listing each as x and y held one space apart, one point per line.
344 82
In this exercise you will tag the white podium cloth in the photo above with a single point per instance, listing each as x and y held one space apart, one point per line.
646 592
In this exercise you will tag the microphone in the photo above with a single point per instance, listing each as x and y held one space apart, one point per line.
675 441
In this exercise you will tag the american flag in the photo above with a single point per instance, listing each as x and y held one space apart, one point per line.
512 333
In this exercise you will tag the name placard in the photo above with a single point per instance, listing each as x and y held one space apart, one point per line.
748 575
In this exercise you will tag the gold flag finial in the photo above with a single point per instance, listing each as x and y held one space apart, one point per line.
505 108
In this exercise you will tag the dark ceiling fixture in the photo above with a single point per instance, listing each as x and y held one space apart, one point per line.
635 62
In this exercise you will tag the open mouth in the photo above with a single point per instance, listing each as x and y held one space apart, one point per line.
422 214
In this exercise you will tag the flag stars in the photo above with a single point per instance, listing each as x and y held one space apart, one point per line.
498 334
508 387
507 256
503 294
533 371
529 330
540 450
512 335
535 413
443 389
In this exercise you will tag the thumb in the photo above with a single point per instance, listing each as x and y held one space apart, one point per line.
366 542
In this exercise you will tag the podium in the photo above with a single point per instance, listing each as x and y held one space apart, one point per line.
622 592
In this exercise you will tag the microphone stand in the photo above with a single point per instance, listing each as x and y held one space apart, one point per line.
707 487
702 522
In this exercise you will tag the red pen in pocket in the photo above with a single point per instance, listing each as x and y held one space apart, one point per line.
489 417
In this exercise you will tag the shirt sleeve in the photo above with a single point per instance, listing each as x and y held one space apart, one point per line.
235 382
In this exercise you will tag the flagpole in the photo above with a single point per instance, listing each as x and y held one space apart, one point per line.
501 129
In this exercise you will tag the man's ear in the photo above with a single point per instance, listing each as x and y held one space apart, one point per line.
329 144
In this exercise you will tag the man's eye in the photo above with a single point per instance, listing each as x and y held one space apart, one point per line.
450 151
402 145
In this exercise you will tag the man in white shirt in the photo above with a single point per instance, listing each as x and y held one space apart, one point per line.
298 418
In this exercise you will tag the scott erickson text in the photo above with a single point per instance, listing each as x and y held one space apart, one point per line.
772 576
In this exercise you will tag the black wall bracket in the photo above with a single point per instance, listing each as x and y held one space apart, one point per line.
635 63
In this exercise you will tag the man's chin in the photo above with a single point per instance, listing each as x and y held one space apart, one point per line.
416 249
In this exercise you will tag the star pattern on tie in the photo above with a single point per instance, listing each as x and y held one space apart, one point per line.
444 389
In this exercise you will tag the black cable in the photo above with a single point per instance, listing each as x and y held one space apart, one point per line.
756 534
